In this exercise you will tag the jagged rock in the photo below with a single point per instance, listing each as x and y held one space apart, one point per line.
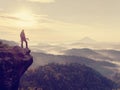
14 61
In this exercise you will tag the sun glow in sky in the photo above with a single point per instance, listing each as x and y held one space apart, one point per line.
60 20
26 19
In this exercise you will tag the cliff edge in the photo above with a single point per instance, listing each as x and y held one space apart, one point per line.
14 61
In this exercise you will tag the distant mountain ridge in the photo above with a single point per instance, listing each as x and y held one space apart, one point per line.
86 52
114 54
102 66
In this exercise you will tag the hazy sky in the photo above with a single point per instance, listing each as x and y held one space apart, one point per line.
60 20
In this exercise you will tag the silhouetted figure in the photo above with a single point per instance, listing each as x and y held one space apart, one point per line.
23 39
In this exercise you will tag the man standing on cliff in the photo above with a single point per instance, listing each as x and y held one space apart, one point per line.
23 39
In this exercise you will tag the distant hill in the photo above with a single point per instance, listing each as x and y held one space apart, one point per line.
114 54
65 77
85 52
105 68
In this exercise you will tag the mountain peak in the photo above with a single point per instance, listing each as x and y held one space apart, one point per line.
87 40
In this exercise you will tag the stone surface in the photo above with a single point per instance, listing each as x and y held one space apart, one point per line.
14 61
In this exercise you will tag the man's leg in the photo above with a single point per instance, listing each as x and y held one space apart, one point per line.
21 43
26 44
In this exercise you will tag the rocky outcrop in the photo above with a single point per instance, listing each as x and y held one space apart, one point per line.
14 61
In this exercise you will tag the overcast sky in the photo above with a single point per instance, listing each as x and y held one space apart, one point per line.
60 20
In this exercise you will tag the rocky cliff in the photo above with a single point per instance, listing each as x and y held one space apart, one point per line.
14 61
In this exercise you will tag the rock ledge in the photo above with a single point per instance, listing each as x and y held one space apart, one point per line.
14 61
